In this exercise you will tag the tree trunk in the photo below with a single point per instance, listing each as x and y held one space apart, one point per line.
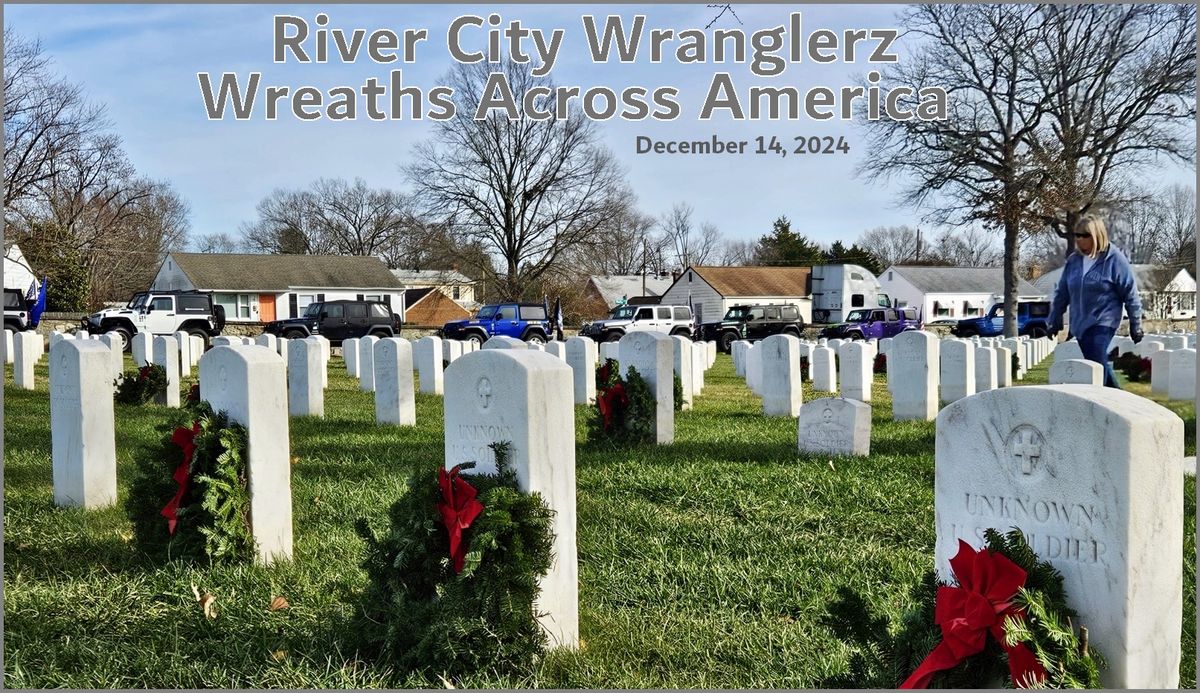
1011 253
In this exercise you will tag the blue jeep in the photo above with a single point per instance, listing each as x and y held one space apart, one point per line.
1032 319
525 321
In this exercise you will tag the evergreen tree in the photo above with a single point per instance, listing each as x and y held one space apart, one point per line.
784 247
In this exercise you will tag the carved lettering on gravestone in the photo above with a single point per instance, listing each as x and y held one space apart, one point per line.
222 380
1025 447
484 389
1070 371
828 434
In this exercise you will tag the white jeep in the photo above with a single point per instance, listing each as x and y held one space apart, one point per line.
671 320
161 313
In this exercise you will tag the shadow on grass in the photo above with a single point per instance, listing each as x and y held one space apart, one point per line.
866 635
75 559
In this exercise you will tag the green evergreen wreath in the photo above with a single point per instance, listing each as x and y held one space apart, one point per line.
141 385
678 393
625 407
213 513
424 617
1048 629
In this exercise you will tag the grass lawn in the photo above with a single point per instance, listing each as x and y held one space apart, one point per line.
724 560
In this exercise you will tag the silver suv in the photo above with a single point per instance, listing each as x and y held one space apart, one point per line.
671 320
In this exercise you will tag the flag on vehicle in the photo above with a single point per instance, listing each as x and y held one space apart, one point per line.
558 318
39 306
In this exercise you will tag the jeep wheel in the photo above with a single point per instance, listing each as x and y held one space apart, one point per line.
613 337
725 343
854 336
476 339
199 332
380 334
126 336
294 333
535 338
792 331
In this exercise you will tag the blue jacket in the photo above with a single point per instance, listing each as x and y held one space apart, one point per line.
1096 299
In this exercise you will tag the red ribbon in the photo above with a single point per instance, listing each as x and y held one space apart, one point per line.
459 509
987 581
611 401
185 438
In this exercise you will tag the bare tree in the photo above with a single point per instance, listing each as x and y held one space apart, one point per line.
1122 84
624 243
891 245
528 190
969 246
45 118
334 217
738 253
687 244
1178 218
217 243
974 165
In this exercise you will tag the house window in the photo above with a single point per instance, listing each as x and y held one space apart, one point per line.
302 301
456 293
228 302
373 297
891 276
243 306
939 310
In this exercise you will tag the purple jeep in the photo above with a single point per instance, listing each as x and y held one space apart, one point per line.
874 323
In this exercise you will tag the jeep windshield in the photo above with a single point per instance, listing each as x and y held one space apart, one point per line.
137 301
624 313
486 313
859 316
313 310
739 313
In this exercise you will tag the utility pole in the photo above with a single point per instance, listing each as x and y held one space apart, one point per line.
918 244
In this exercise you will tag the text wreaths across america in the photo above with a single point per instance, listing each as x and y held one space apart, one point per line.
768 52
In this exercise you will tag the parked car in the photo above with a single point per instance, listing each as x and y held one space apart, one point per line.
1033 319
17 312
339 320
874 323
753 323
525 321
670 320
161 313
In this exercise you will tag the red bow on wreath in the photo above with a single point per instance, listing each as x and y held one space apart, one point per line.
987 582
611 401
459 509
185 438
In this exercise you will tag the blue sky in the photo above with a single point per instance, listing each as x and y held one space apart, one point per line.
141 62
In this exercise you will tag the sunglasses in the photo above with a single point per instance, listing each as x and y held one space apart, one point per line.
1083 235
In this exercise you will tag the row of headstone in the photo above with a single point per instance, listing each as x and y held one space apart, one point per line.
1173 373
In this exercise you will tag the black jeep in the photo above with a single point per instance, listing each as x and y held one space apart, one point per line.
339 320
753 323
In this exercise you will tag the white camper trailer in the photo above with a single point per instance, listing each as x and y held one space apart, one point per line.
838 289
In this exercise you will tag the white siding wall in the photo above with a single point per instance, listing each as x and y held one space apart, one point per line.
171 278
16 270
709 304
903 293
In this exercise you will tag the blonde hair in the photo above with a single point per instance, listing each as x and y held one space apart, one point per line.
1094 227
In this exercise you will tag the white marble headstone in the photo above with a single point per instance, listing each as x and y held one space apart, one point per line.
350 356
581 357
524 397
428 354
782 392
1091 477
247 383
835 426
985 369
306 397
1076 372
651 354
683 357
502 342
395 401
856 370
913 370
1182 384
366 363
82 427
957 377
166 354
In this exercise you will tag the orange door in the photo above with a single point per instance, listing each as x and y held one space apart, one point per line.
266 307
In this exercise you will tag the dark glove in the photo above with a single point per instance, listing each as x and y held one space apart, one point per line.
1136 334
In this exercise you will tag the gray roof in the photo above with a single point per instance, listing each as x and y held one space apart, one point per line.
613 287
435 276
961 280
240 272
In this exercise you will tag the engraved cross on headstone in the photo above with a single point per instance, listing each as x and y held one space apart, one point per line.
485 392
1027 450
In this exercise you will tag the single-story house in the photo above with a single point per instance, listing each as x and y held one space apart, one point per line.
262 288
711 291
1167 293
950 293
430 307
603 292
17 272
451 282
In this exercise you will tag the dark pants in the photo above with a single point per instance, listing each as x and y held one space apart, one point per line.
1094 345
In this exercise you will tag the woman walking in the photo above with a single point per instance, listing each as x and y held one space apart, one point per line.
1097 282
